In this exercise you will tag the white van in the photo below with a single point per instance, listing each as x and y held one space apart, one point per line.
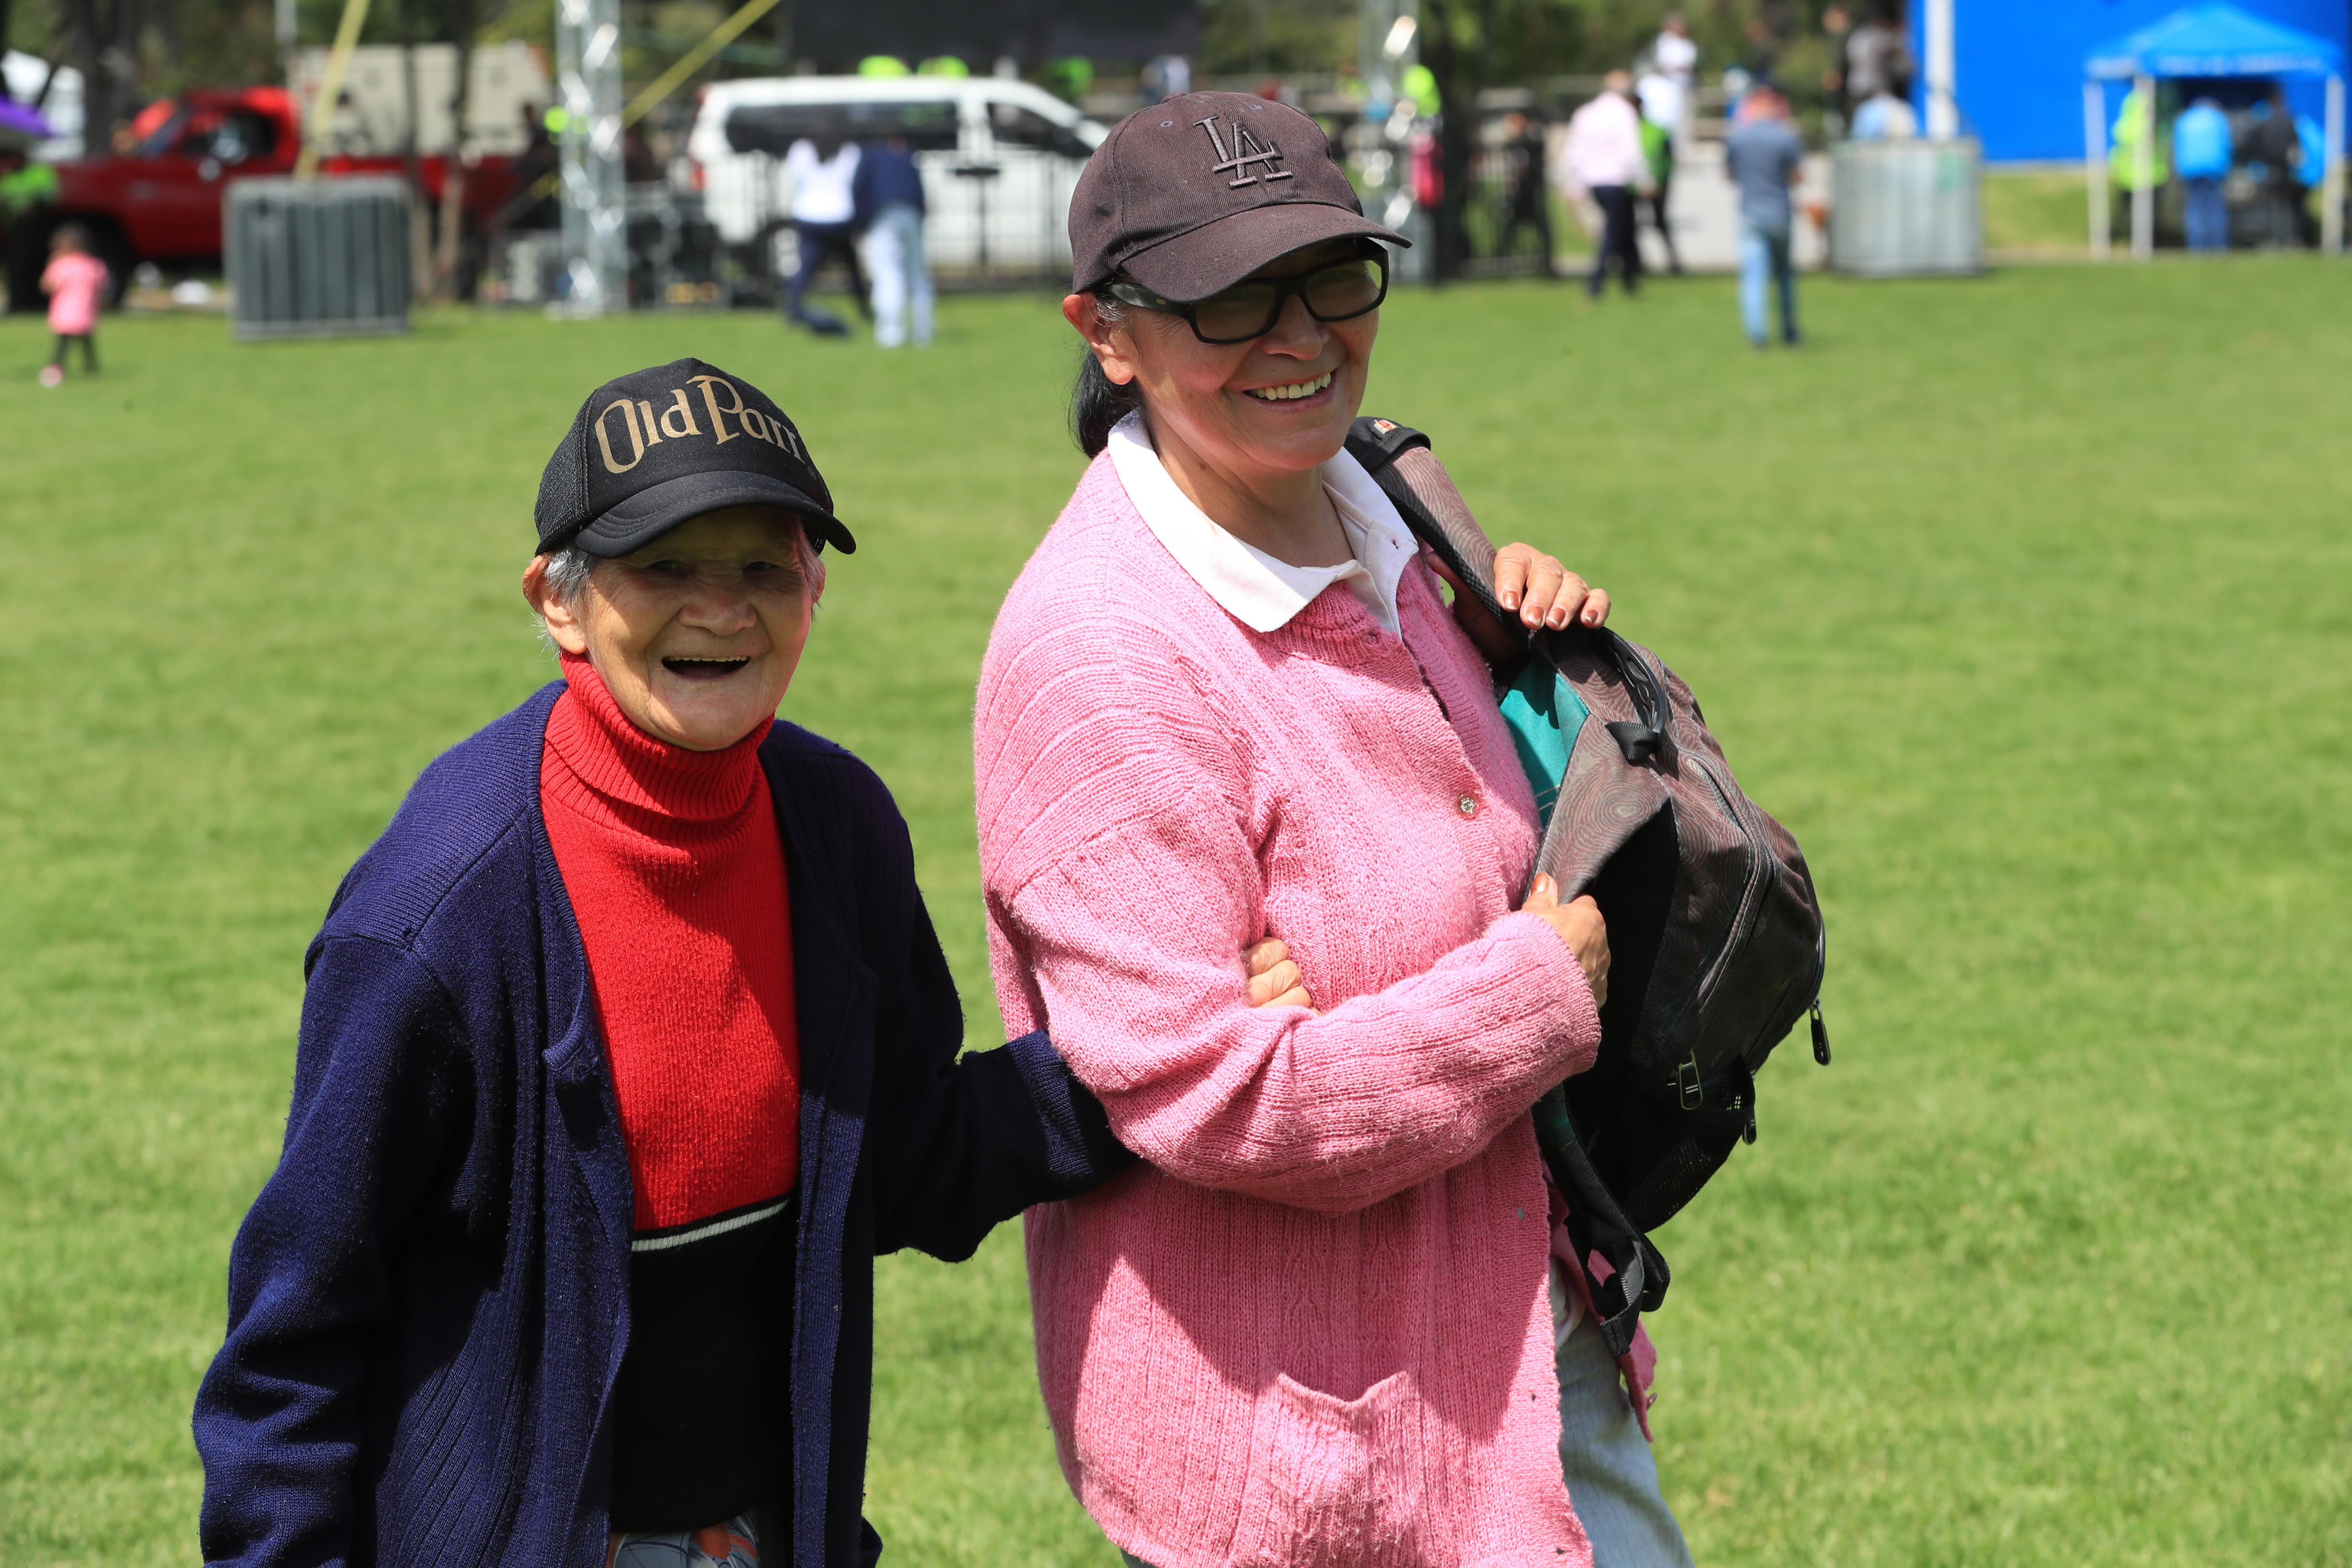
999 159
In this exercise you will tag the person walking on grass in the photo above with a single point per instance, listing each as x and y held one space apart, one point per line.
1324 1321
1763 156
1660 97
886 193
1603 157
74 281
824 171
624 1052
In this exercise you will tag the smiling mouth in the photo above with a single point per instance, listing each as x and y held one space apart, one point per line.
703 669
1292 390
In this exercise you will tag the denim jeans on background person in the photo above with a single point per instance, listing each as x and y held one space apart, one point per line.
1764 259
817 241
1619 237
1612 1480
902 278
2208 216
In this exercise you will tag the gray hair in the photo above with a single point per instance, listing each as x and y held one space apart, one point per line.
569 569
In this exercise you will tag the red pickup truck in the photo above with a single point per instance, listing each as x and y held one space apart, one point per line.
161 201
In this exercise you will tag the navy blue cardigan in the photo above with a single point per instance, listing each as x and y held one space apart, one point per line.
429 1300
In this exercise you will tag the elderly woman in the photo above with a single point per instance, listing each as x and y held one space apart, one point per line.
624 1051
1226 701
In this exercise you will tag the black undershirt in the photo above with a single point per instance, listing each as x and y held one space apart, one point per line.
702 1407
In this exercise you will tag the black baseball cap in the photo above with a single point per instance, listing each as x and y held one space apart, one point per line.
652 448
1194 194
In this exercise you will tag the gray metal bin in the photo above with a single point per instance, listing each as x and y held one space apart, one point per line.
1906 208
318 258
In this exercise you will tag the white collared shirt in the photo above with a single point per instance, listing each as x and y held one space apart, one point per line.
1254 588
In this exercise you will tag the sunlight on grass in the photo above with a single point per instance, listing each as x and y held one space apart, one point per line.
2021 600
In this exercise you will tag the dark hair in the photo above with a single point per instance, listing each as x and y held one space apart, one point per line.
1096 402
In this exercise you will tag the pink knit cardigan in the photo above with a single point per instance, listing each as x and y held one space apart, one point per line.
1313 1331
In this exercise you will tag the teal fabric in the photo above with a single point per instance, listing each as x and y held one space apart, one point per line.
1543 713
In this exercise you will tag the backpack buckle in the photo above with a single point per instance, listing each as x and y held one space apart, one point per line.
1686 1080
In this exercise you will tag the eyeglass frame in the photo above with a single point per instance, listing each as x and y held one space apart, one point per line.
1285 291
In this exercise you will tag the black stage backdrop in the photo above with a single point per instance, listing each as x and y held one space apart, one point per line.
838 34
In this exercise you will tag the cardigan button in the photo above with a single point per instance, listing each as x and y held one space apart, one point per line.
1467 805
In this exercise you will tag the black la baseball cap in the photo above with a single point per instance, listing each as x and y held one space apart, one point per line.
652 448
1193 194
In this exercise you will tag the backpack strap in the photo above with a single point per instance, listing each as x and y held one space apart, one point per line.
1398 460
1434 510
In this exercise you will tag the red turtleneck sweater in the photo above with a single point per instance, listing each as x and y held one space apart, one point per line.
677 875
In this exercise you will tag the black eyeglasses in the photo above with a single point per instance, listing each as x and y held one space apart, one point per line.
1339 291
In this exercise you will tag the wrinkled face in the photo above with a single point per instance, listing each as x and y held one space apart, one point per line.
1278 402
697 634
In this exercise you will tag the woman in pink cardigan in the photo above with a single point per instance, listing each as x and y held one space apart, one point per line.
1226 702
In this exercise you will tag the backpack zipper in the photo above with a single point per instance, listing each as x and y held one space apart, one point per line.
1761 870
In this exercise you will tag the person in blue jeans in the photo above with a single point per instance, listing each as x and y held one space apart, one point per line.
1762 155
887 192
2202 151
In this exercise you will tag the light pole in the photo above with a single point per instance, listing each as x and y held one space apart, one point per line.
588 86
1943 104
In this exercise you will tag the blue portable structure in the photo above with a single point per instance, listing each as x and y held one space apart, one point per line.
2212 41
2017 71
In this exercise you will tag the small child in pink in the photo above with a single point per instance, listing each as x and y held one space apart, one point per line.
73 280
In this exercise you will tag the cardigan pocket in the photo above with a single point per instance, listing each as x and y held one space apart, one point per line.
1321 1494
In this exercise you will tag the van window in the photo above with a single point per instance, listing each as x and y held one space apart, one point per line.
1018 126
929 125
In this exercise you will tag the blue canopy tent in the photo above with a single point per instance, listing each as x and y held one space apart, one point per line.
2205 41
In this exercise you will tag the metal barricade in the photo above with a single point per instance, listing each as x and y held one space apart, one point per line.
318 258
1906 208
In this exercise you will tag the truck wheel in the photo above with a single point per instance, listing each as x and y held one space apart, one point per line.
110 244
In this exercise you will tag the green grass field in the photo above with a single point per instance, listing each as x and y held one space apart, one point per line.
2026 602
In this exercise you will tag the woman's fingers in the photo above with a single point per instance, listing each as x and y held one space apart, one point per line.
1263 989
1510 575
1274 980
1543 894
1596 608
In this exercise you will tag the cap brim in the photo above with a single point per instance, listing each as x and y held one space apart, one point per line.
1215 255
650 513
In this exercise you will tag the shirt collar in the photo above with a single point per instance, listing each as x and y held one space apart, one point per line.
1257 590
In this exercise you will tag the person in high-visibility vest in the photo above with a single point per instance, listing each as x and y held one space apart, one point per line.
2134 121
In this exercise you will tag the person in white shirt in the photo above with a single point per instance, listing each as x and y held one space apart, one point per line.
1603 158
824 172
1676 55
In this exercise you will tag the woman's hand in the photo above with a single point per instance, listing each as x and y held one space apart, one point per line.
1274 980
1536 587
1544 592
1580 925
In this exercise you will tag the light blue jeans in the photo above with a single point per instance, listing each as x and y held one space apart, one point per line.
1612 1481
1764 259
2208 213
734 1544
902 278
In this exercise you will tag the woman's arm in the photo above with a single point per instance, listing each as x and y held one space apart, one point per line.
964 1143
382 1079
1131 945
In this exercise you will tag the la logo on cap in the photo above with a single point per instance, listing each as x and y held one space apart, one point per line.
1247 150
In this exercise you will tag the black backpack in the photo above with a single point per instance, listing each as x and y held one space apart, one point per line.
1714 933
